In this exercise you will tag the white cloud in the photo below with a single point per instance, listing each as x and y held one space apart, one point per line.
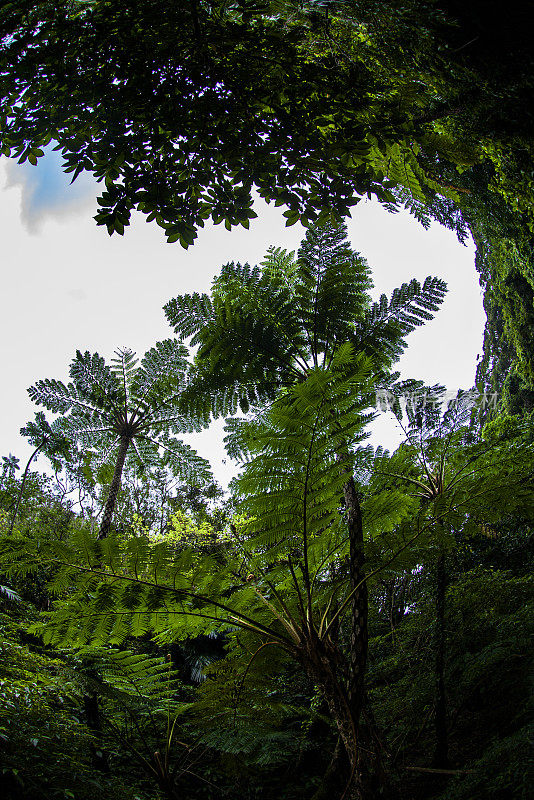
46 191
80 295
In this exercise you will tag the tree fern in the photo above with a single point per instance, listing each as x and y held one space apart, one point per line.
271 578
276 328
305 337
126 411
264 327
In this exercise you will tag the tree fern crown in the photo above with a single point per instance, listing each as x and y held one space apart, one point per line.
130 400
265 327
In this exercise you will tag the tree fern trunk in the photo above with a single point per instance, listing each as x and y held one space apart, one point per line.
358 632
114 488
358 614
366 780
92 710
94 723
320 660
359 603
23 484
441 756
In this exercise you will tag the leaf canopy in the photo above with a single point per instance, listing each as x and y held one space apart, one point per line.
181 109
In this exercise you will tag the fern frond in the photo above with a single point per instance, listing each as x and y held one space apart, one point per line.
160 374
134 675
123 366
94 381
59 398
188 313
388 322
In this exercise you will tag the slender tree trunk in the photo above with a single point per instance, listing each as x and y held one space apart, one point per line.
336 629
358 621
23 483
90 700
359 602
441 758
114 488
94 723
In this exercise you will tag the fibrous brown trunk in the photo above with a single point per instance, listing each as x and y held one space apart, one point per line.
320 660
114 488
345 693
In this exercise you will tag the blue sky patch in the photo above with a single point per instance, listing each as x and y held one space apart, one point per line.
47 191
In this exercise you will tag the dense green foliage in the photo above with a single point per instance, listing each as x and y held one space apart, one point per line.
350 623
265 327
183 108
252 720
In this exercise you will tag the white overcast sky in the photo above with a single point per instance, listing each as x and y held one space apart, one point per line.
67 285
